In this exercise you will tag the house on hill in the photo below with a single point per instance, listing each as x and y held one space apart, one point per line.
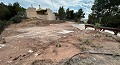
44 14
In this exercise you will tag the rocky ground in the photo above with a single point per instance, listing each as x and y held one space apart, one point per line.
30 43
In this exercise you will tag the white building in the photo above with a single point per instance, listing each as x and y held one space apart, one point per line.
44 14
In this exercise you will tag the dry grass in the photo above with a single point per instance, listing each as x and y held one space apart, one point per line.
97 46
85 42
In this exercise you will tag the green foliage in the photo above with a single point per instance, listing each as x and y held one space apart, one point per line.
13 12
78 15
3 24
97 25
61 13
85 42
18 18
8 11
58 44
70 14
107 12
4 11
82 44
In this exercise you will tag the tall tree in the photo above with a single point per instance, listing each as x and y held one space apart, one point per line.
61 13
3 11
106 12
17 8
68 14
79 15
8 11
72 15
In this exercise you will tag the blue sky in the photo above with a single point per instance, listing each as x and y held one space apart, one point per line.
72 4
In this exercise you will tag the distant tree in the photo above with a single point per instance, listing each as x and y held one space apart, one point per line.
79 15
61 13
72 15
68 14
91 19
8 11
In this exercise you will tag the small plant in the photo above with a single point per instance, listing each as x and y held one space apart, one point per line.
97 25
85 42
97 46
58 44
83 48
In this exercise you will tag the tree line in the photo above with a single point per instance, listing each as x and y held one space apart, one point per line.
70 14
10 10
11 13
106 13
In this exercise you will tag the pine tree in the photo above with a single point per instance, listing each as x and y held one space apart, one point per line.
61 13
68 14
79 15
106 12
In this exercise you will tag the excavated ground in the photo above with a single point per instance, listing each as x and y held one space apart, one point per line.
30 43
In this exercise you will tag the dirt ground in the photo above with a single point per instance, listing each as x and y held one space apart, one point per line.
55 44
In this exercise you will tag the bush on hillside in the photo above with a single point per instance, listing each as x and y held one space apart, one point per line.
3 24
18 18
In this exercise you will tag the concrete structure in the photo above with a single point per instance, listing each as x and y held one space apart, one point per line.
31 12
44 14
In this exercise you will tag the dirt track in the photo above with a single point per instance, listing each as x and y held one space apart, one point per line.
54 44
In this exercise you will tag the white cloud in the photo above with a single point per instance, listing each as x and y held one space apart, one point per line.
72 4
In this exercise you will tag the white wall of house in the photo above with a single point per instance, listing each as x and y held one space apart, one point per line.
50 15
31 12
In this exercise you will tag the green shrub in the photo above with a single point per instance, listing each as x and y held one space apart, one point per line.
85 42
18 18
97 25
3 25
